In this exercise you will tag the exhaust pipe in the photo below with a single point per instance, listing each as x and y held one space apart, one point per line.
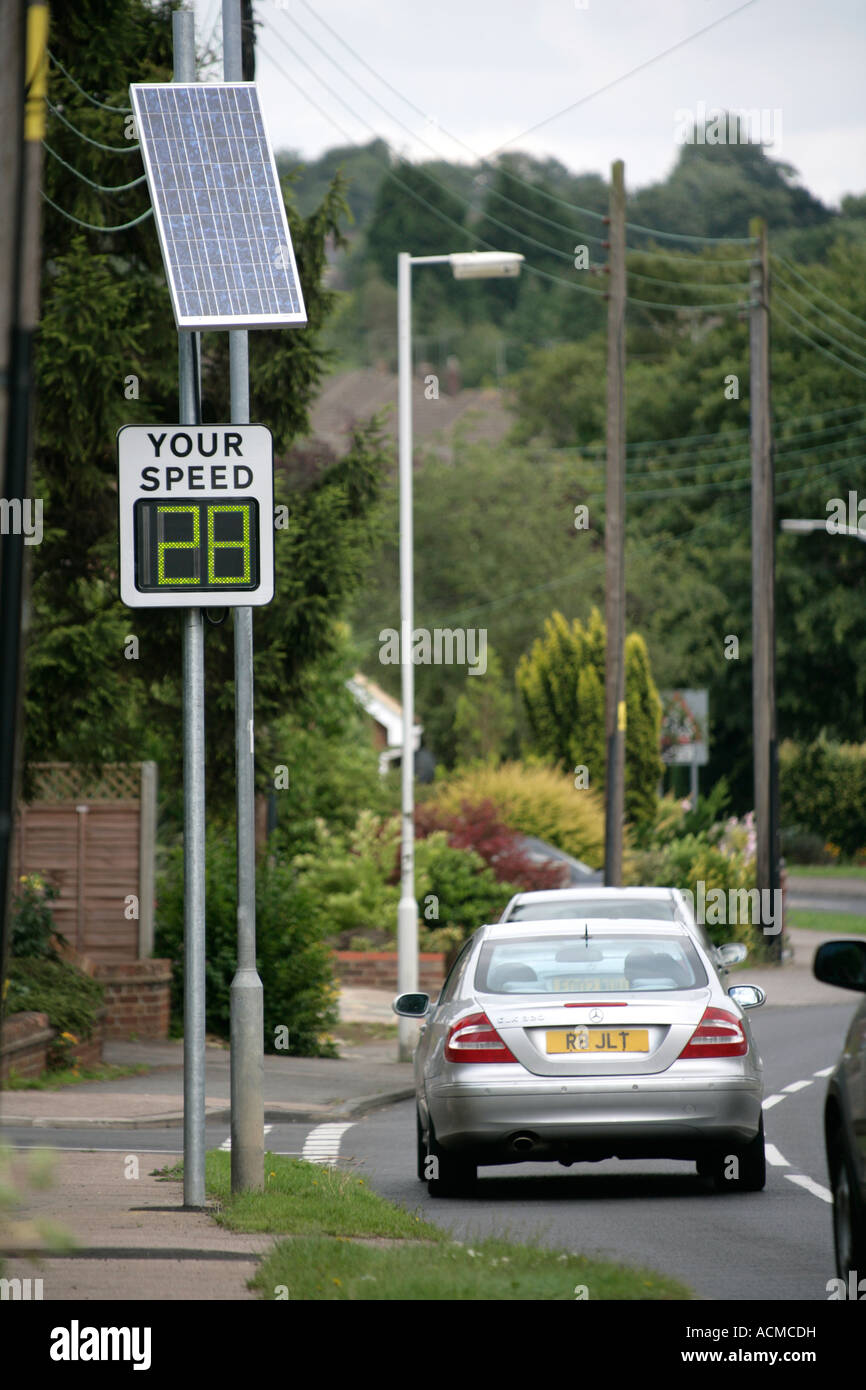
523 1143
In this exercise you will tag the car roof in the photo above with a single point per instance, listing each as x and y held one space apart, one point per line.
616 926
560 894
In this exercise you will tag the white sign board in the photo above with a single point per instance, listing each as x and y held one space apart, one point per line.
685 715
196 515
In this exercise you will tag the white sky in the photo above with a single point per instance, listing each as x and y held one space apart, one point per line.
486 71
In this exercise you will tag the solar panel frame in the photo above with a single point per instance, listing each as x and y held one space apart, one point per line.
218 206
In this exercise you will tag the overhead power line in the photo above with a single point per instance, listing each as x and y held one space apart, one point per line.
111 149
121 110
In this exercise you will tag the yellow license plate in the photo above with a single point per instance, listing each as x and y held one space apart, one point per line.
579 1040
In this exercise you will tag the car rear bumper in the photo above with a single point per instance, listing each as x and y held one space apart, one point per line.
652 1117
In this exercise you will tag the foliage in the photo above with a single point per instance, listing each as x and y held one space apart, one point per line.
721 862
484 713
562 684
106 322
822 789
353 879
292 958
479 828
532 799
351 876
459 888
33 931
71 999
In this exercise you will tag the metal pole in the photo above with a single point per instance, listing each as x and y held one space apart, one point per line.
763 579
246 996
407 911
614 537
183 29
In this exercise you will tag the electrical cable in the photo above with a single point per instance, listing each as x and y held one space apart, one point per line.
91 226
823 332
777 279
100 187
792 270
817 346
112 149
121 110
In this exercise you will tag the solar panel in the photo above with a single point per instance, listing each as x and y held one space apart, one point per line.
218 205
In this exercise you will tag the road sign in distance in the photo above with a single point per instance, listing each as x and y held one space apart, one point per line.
196 515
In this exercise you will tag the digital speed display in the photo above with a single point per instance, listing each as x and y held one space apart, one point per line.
195 515
204 546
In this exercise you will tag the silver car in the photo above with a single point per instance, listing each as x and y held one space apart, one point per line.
553 1040
580 903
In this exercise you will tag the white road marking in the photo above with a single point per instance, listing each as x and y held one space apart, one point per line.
226 1145
811 1186
322 1144
796 1086
774 1157
825 1071
771 1101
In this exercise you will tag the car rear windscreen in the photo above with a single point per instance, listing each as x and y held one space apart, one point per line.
575 965
648 909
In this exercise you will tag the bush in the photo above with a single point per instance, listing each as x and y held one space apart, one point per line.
479 828
71 999
823 790
293 960
722 858
531 799
32 922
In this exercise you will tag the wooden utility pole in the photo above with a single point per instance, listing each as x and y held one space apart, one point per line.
763 582
614 536
23 67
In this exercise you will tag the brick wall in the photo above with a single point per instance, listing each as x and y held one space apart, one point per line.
137 998
378 969
26 1040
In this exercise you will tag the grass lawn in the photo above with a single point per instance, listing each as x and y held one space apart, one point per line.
826 870
347 1243
845 923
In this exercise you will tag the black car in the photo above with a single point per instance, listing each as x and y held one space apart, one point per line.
843 963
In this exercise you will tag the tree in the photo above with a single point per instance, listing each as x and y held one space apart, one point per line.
562 684
484 714
107 356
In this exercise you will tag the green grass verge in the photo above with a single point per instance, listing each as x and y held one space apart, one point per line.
347 1243
826 870
845 923
53 1080
340 1271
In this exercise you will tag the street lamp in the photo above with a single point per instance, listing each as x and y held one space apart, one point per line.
465 265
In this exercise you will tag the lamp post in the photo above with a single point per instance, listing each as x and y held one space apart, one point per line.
465 265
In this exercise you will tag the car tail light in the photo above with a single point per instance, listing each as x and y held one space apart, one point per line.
474 1039
719 1034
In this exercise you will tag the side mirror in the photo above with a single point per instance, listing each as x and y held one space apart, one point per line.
411 1005
732 953
747 996
841 963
